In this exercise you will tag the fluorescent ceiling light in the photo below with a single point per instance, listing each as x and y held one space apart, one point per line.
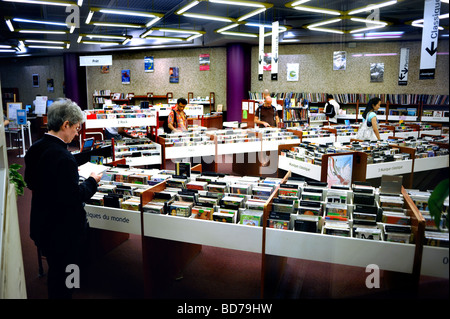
290 40
228 27
251 14
318 10
100 42
187 7
67 45
240 34
143 35
42 31
319 24
39 21
419 22
371 7
80 3
296 3
7 50
118 25
104 36
378 35
48 2
128 13
79 39
89 17
155 37
45 41
326 30
9 24
281 28
207 17
126 41
240 3
195 36
44 47
177 30
152 22
2 46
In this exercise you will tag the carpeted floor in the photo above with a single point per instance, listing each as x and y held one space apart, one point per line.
215 273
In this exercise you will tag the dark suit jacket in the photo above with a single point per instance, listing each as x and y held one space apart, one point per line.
58 219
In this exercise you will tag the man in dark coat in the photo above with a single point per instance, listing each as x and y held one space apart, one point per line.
58 222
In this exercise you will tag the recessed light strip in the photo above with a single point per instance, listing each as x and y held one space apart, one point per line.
187 7
228 27
319 24
9 24
155 37
42 31
170 30
48 2
240 34
296 3
326 30
99 42
127 13
371 7
240 3
39 22
251 14
118 25
208 17
105 36
318 10
44 47
45 41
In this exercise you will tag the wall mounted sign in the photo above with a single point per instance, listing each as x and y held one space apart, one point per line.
404 67
429 39
275 36
96 60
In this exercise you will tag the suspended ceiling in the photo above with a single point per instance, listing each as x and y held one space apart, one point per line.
296 24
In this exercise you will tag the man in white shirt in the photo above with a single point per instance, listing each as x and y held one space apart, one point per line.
332 101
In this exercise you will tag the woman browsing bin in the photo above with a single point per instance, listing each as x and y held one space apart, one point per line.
368 129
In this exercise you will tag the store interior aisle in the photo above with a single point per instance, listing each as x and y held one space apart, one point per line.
215 273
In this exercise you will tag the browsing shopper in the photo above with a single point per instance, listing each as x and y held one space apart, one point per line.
177 120
369 127
266 114
58 222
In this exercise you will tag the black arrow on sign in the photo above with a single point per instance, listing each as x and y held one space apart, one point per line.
401 77
431 51
405 70
275 59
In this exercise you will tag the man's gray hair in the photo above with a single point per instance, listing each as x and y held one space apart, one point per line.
61 111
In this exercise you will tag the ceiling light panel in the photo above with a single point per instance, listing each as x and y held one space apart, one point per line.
372 6
216 6
46 2
130 18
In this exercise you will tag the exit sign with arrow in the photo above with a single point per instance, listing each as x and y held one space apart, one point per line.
430 34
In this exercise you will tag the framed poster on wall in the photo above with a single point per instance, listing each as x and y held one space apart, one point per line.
35 78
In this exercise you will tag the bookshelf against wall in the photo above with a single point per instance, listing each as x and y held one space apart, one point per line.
394 107
205 101
100 97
